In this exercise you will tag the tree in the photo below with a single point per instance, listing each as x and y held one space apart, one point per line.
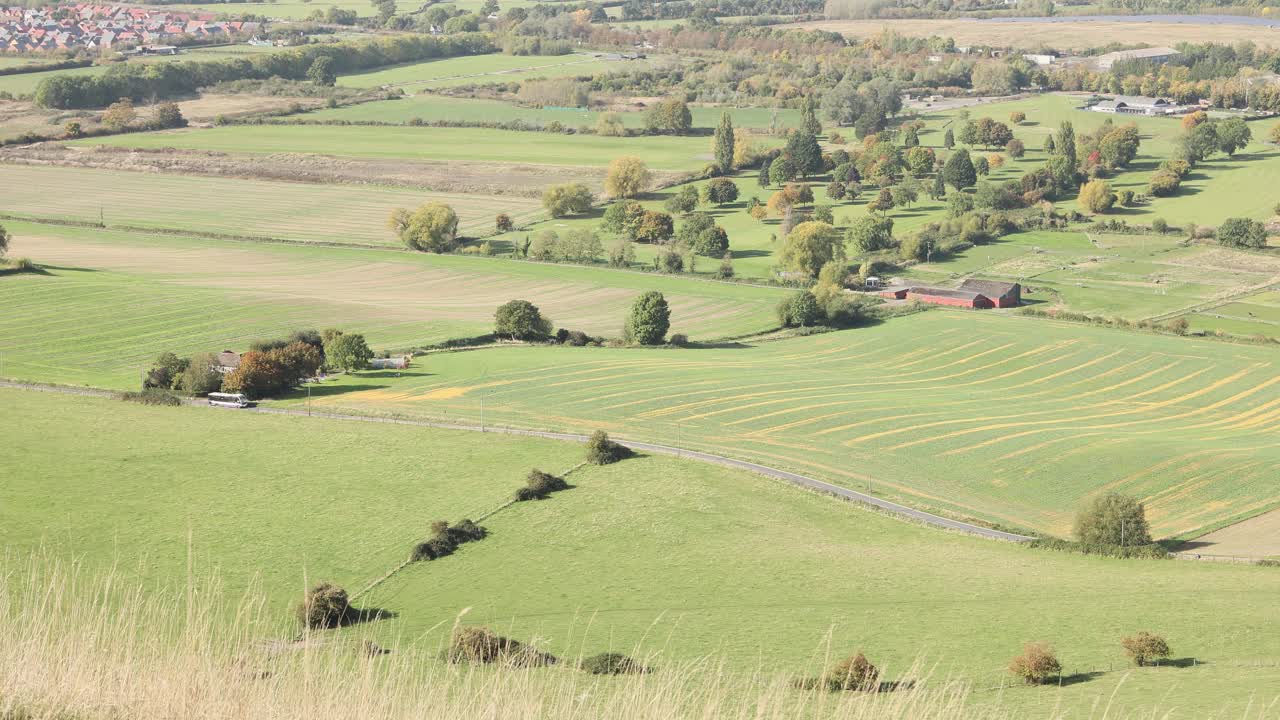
1065 143
1191 120
911 138
809 121
1198 143
836 190
1113 519
702 236
723 143
721 191
610 125
938 190
1096 196
949 139
1164 183
669 116
431 228
1017 117
120 114
725 271
503 223
980 165
958 171
805 154
763 177
347 352
868 234
5 239
321 72
1145 647
623 218
568 199
1036 664
920 161
684 201
782 170
995 161
627 177
809 246
800 310
649 320
1233 134
520 320
1015 148
169 115
854 673
1119 146
654 227
1242 233
883 202
165 372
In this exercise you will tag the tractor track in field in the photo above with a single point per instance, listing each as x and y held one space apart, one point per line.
803 481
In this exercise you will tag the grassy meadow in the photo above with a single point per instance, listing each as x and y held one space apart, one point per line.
481 69
636 555
1005 419
150 294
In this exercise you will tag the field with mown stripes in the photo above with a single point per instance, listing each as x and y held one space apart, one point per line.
109 302
307 212
1005 419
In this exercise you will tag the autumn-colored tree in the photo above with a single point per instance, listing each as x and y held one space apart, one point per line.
627 177
1036 664
120 114
809 246
1145 647
1096 196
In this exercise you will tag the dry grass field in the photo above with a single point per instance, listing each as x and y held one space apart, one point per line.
1063 35
1258 536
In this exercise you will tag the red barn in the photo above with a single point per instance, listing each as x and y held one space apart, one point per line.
1004 294
954 298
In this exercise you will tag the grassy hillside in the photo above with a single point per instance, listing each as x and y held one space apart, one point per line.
1007 419
646 553
112 301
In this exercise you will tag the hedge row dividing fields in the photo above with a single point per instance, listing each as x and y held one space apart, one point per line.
973 414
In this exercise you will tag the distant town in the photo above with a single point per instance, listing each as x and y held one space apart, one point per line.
96 27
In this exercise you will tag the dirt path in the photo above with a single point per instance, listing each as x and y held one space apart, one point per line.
803 481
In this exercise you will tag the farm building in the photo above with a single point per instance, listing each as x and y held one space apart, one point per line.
390 363
1137 105
1003 294
954 298
1158 55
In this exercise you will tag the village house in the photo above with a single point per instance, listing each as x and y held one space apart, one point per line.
95 27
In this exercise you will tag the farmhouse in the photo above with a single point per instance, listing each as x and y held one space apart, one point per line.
1137 105
228 360
1158 55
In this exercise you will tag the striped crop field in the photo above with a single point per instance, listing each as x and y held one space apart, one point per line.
307 212
1005 419
111 301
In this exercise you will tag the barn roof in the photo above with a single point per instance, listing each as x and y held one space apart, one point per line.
990 288
947 292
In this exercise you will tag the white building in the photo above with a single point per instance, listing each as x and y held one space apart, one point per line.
1137 105
1152 54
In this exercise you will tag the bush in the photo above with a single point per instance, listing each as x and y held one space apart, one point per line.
1159 226
1113 519
800 310
678 340
612 664
853 673
1036 663
445 539
324 606
539 486
152 396
1144 647
482 646
603 451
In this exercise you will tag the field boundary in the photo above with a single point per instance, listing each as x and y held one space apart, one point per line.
803 481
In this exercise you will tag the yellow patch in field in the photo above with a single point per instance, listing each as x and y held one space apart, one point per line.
453 393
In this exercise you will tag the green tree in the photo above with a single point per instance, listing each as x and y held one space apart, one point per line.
804 153
782 170
1113 519
721 191
321 72
809 121
911 138
702 236
169 115
201 375
949 139
649 320
623 218
723 143
958 171
431 228
920 161
347 352
5 239
1233 134
800 310
654 227
1242 233
520 320
568 199
883 202
868 234
669 116
1065 144
809 246
683 202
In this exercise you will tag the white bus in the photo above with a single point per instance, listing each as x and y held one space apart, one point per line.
231 400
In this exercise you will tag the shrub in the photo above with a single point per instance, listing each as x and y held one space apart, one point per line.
567 199
612 664
603 451
1036 663
445 539
1159 226
539 485
324 606
800 310
1178 326
482 646
853 673
1144 647
678 340
503 223
152 396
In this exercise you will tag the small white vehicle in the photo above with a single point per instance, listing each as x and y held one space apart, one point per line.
230 400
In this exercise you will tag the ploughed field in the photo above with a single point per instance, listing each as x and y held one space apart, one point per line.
1011 420
647 554
109 302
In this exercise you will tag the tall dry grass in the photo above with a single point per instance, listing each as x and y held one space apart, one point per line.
79 645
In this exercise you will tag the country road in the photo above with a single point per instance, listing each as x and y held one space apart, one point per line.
803 481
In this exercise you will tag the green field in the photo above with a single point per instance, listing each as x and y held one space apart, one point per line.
305 212
25 83
432 108
1005 419
479 69
116 300
647 553
425 143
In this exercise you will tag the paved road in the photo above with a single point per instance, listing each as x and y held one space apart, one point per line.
803 481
